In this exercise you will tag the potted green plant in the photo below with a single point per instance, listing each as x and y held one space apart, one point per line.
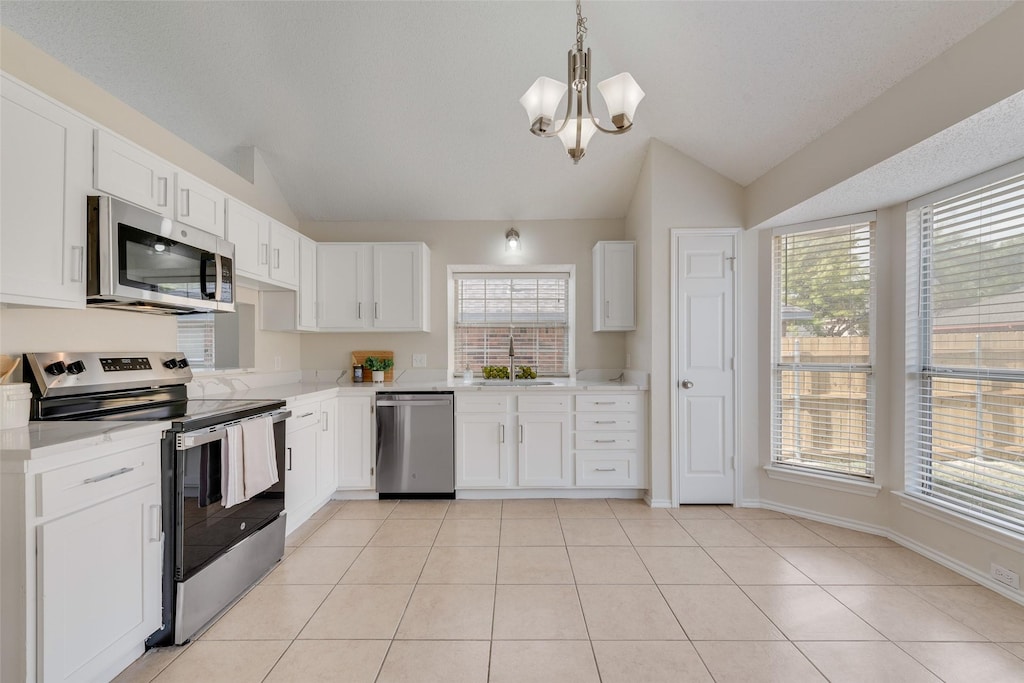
377 366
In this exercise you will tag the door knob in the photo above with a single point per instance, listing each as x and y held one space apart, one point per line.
686 384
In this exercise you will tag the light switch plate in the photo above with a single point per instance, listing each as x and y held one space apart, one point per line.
419 360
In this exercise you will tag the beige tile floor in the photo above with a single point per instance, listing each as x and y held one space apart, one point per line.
570 590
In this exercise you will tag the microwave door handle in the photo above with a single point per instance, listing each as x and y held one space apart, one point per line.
202 277
219 279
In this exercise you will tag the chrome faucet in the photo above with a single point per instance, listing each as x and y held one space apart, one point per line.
511 361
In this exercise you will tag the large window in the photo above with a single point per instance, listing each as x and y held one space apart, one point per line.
966 351
533 308
822 385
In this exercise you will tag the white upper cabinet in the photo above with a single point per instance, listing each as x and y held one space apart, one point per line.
284 255
356 443
198 204
265 250
614 286
45 176
379 287
133 174
307 285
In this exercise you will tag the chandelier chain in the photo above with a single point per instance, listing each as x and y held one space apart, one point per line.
581 26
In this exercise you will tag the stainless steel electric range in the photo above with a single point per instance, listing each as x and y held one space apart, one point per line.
212 554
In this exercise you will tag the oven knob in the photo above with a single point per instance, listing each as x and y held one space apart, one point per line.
56 368
170 364
76 368
183 363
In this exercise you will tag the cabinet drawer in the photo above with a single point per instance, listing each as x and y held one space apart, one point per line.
481 403
606 403
592 422
303 416
543 403
609 440
611 469
78 486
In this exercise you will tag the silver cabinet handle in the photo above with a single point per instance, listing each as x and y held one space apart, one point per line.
607 308
604 440
686 384
606 469
359 310
323 421
185 202
520 433
501 433
289 449
155 524
77 263
277 258
605 422
305 415
108 475
161 185
376 310
264 253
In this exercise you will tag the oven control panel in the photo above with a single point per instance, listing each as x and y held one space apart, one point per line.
71 374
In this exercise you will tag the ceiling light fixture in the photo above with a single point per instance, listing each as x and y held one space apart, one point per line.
512 241
621 94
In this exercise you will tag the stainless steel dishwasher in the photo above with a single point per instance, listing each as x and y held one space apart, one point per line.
416 445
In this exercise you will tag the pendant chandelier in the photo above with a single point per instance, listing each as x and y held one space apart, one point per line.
621 94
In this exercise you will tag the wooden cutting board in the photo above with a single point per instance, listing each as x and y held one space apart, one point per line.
359 357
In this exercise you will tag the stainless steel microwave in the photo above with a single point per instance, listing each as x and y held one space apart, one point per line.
141 261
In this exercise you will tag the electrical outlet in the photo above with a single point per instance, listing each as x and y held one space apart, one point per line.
1004 575
419 360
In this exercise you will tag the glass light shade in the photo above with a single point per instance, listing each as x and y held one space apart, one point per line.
568 135
622 95
541 100
512 240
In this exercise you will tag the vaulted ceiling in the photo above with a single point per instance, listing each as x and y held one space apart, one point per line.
409 110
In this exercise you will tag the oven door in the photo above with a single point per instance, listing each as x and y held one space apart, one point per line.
143 257
204 528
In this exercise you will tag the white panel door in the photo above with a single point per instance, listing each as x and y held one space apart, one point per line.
614 298
355 444
327 449
284 255
45 176
133 174
397 286
198 204
545 456
249 231
343 297
481 451
300 473
705 368
99 579
307 285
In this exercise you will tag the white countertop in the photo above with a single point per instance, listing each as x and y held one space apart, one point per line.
46 439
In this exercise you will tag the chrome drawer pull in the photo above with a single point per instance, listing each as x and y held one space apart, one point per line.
604 440
306 415
108 475
604 403
605 469
605 422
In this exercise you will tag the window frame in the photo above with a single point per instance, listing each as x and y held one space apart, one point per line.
452 270
921 369
816 472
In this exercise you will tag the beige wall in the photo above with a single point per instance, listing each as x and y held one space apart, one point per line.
469 243
683 194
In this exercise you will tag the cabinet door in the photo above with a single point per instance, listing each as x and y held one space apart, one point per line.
327 450
356 447
133 174
100 583
45 176
284 255
307 285
249 231
300 474
545 454
198 204
343 287
481 451
614 286
398 286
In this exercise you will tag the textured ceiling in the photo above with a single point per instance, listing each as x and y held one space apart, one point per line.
409 110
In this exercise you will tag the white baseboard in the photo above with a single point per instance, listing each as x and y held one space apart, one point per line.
657 502
908 543
354 494
522 494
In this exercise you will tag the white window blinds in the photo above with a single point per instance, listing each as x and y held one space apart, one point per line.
196 339
531 307
966 350
823 350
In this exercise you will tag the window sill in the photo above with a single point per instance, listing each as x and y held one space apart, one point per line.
826 481
954 518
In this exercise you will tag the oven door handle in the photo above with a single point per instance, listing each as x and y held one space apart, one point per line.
210 434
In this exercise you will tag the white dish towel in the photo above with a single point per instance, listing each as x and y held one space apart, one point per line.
260 457
232 469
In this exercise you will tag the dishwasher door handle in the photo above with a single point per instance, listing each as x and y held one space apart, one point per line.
413 404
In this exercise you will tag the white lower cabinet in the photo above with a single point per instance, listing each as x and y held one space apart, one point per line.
300 489
83 558
481 450
355 442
